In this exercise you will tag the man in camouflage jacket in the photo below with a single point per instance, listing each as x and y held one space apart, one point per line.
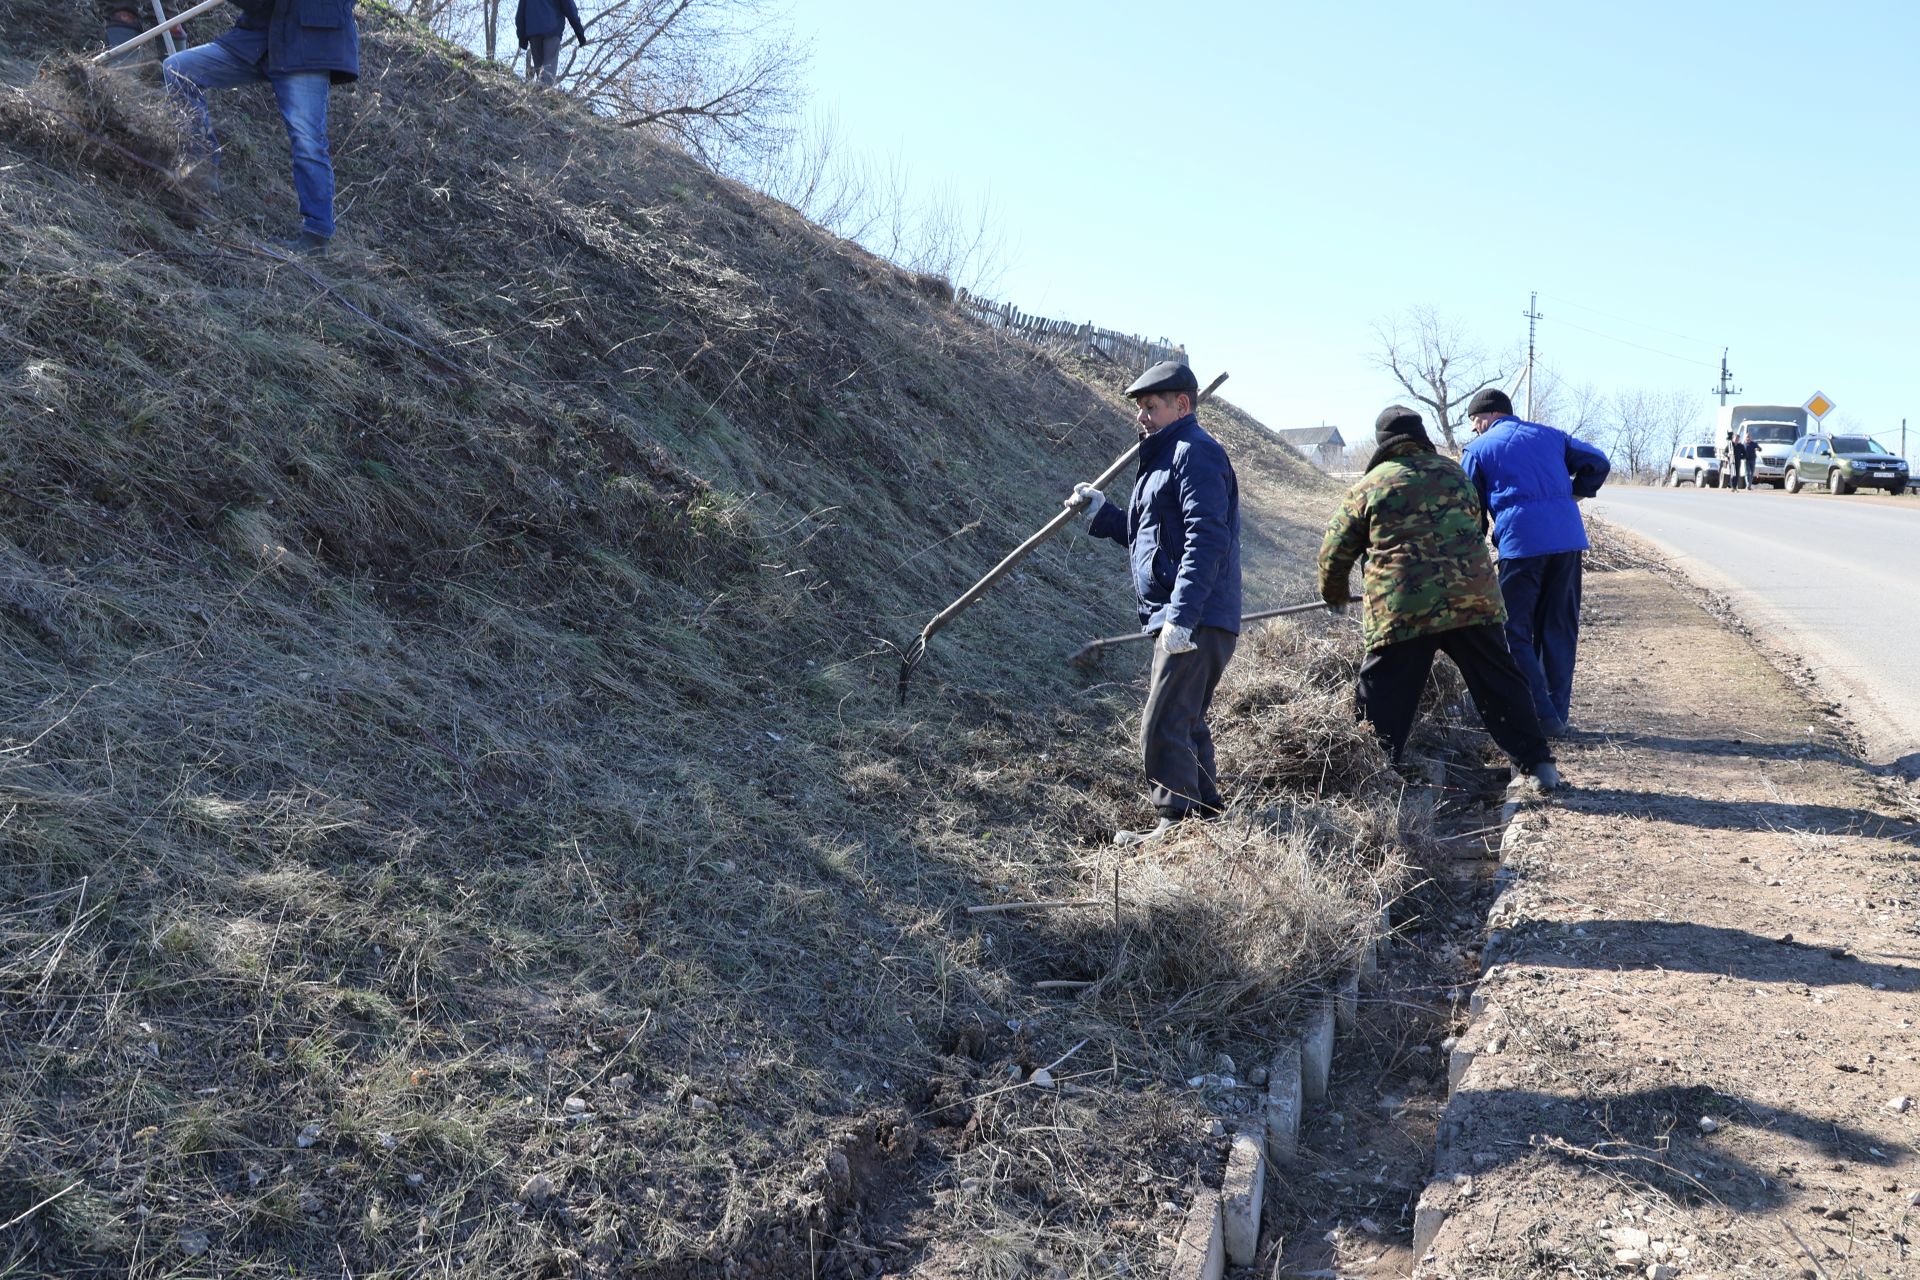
1430 587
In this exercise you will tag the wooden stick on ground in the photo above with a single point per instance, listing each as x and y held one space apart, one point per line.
994 908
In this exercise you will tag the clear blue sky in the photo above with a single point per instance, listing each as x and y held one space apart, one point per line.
1264 181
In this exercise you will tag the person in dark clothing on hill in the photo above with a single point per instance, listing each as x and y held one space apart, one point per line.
1429 588
300 47
1528 477
1181 529
538 24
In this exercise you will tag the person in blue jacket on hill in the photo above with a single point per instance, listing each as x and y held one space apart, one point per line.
300 47
538 24
1530 477
1182 530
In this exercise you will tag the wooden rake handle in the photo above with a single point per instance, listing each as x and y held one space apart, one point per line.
1053 526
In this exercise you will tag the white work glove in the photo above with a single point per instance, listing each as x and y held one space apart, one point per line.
1084 493
1176 639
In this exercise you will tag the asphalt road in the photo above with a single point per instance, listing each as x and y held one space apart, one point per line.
1833 580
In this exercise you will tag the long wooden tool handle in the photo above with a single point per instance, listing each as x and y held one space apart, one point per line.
178 18
1245 618
1053 526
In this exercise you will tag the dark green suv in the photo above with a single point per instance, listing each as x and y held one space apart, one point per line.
1843 464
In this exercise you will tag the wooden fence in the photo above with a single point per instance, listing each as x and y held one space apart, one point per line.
1129 351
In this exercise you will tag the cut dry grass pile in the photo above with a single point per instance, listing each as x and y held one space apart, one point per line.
455 818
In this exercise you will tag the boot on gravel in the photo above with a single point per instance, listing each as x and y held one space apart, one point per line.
1542 779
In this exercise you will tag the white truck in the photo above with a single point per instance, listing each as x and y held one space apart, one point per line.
1772 427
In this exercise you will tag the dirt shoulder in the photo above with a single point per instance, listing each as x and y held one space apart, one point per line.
1695 1045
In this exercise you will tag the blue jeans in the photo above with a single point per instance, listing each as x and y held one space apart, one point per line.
302 96
1543 625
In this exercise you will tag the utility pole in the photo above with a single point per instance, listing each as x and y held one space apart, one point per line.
1533 316
1724 390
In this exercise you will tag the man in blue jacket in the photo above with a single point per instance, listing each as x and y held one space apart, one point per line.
1530 477
301 48
1181 529
538 24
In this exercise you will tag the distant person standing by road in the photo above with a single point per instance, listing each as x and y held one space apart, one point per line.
539 26
300 47
1429 588
1749 457
1528 477
1734 474
1181 529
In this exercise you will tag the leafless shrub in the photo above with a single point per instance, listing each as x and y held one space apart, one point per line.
1644 427
717 76
878 203
1433 362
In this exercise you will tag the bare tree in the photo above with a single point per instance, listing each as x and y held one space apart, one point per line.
879 204
1434 364
712 74
1579 411
717 76
1648 426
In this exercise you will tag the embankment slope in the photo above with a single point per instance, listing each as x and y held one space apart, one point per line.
456 819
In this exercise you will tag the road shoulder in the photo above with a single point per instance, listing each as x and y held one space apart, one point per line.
1695 1042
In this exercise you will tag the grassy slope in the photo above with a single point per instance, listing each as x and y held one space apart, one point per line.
453 679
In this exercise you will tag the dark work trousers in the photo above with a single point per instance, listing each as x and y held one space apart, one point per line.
1175 744
1392 676
543 57
1543 625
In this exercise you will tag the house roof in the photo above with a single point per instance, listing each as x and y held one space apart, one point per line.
1312 437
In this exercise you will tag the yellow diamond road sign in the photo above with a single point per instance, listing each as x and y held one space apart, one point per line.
1819 406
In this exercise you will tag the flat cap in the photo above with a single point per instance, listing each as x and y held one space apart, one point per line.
1169 376
1489 400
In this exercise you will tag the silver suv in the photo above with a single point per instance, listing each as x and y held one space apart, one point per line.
1694 464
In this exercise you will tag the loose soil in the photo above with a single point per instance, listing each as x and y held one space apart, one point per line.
1698 1043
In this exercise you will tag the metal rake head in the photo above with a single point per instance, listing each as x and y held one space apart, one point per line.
1087 655
911 657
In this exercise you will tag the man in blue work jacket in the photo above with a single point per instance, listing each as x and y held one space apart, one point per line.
1530 477
1182 530
301 48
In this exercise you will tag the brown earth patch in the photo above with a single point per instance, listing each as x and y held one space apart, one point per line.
1702 985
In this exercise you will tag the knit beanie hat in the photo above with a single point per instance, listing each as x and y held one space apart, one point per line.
1489 400
1396 423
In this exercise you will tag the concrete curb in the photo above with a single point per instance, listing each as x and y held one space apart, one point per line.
1286 1102
1346 1004
1316 1052
1199 1251
1241 1195
1223 1227
1431 1209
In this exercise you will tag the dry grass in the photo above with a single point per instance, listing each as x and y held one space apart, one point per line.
448 679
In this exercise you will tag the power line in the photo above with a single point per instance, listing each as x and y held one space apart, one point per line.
1640 346
1638 324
